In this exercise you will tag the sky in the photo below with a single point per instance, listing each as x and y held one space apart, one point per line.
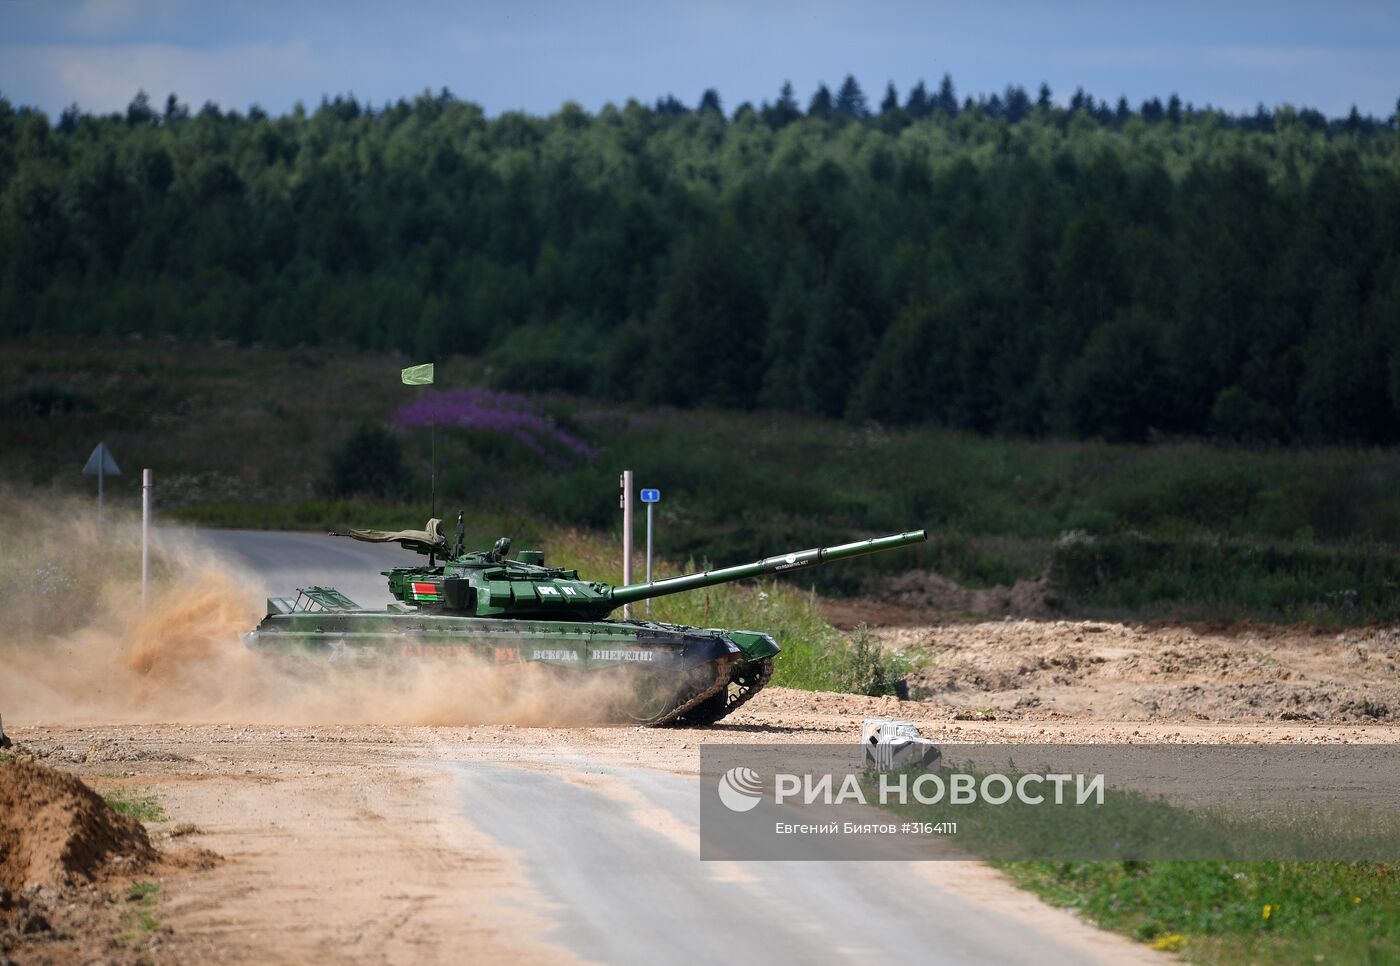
535 56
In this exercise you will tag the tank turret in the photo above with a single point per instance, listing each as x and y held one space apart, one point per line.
488 583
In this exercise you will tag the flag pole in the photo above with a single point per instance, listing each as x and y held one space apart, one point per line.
423 375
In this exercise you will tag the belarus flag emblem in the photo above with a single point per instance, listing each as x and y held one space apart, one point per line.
424 591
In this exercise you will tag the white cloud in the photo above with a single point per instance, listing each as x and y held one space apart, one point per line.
104 78
96 17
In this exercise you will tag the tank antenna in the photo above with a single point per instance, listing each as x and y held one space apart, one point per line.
432 478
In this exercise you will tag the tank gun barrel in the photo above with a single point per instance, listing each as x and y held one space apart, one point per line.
768 565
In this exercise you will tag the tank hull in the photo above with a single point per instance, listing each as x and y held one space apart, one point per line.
691 675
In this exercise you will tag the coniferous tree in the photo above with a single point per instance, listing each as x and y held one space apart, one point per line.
1018 103
670 105
918 105
821 104
947 100
139 111
850 100
709 102
1203 278
890 104
785 111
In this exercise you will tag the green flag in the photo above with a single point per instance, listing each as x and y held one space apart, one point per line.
418 375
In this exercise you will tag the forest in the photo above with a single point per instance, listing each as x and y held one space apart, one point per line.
1004 264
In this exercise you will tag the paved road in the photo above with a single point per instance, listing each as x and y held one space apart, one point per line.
620 864
616 850
282 562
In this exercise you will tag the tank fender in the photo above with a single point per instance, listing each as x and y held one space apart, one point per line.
754 644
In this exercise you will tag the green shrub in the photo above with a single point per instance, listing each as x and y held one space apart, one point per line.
1210 578
863 667
369 461
45 399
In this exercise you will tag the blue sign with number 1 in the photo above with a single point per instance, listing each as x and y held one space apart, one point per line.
651 496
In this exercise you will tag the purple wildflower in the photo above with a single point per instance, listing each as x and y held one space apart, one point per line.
489 411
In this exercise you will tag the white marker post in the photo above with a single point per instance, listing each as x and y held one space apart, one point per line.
650 498
147 482
626 535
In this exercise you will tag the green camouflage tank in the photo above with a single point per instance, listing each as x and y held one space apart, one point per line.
490 606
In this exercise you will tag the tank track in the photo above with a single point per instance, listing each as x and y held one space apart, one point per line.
720 682
707 712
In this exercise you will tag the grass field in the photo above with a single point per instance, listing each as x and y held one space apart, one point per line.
1175 529
1237 912
1233 910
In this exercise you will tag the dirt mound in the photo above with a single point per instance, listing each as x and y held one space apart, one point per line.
927 590
1117 672
54 829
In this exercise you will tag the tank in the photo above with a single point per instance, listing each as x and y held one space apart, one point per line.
491 606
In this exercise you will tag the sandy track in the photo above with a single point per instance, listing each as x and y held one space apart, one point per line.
337 847
348 843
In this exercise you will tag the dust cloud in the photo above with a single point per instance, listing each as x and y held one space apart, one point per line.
78 645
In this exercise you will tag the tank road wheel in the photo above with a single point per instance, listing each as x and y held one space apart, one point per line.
652 697
649 696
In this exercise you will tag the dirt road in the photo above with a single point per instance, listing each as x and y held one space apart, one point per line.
417 844
505 844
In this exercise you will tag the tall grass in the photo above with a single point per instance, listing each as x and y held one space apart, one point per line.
1229 578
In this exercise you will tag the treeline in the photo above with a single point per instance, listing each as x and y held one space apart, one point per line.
1003 264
